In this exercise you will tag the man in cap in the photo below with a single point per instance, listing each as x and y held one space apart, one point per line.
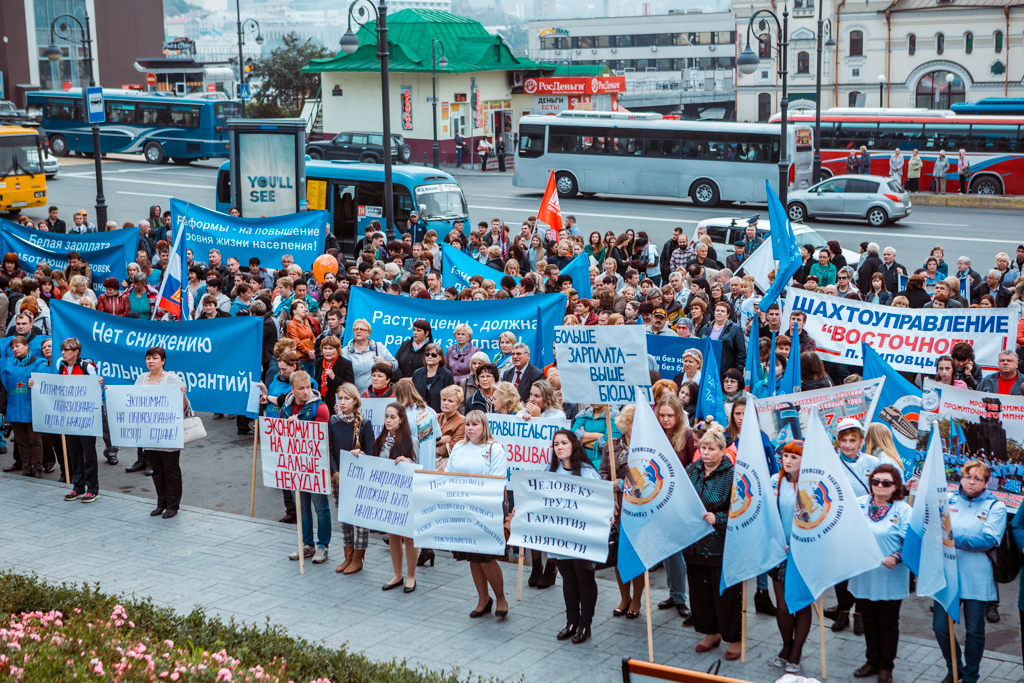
659 323
734 262
415 228
752 239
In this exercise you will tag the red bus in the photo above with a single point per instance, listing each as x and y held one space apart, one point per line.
994 144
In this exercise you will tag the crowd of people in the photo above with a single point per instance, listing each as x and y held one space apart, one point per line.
440 397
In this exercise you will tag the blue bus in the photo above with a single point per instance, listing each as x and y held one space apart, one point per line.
353 194
159 128
990 106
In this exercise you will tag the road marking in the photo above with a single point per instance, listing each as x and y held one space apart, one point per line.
149 182
145 194
909 234
593 215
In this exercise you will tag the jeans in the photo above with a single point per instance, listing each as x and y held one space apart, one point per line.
82 461
458 157
974 647
675 576
762 582
323 518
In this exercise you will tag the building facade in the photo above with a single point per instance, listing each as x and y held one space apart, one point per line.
908 53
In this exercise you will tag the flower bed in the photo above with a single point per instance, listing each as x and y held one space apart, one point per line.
65 632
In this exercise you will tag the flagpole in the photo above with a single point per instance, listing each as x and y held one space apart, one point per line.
650 632
519 585
819 608
743 626
952 649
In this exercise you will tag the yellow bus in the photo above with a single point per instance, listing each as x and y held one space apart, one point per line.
22 182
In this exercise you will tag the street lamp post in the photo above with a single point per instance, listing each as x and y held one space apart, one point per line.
350 43
65 31
435 47
817 87
881 90
748 63
244 26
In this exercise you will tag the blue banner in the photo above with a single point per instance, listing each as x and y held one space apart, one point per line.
668 358
107 253
300 234
216 359
457 268
391 318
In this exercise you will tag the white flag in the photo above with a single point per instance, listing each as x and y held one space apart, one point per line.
759 264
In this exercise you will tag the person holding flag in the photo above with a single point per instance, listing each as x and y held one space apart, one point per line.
169 296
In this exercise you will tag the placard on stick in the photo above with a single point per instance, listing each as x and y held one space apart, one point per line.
67 404
602 365
146 416
294 454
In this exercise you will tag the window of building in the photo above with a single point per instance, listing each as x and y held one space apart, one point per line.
624 41
911 44
940 43
803 63
856 43
584 41
764 106
999 41
968 42
644 39
853 98
764 48
934 92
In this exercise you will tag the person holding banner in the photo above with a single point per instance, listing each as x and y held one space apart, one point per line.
978 521
16 405
672 419
395 443
479 453
347 431
881 591
590 427
165 463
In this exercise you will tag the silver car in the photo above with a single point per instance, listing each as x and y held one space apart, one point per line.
877 199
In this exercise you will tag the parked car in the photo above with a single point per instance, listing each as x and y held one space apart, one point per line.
11 114
367 148
877 199
725 232
51 164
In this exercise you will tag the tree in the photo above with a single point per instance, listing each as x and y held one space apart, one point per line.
282 82
174 8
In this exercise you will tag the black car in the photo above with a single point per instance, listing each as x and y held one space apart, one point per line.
364 147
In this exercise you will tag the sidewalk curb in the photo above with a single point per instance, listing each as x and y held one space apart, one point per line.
967 201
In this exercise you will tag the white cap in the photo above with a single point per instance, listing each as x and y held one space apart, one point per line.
849 423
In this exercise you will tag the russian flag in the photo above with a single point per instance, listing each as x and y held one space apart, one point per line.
169 298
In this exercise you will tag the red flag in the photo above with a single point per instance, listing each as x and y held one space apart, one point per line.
550 213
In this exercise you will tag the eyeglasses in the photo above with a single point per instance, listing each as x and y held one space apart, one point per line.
977 480
842 277
360 329
432 355
883 483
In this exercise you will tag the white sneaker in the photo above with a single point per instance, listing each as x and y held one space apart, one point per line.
321 555
778 661
307 552
793 668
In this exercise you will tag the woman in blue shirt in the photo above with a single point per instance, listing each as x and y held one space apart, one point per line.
881 591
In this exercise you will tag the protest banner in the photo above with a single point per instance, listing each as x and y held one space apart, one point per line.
375 493
460 512
975 425
391 318
668 361
146 416
562 514
898 409
602 364
67 404
527 443
294 455
216 359
458 267
908 339
107 253
372 410
785 418
300 234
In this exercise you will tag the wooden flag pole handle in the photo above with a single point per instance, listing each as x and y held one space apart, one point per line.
519 586
820 609
650 631
743 626
67 470
298 527
952 650
252 493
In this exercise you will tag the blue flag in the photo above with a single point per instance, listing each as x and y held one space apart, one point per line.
965 290
784 248
752 369
216 359
791 378
902 279
712 398
898 407
771 385
457 268
300 234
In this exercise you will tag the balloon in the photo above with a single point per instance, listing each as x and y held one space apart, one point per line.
324 263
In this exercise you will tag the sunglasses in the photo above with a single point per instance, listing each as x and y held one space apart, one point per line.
432 355
883 483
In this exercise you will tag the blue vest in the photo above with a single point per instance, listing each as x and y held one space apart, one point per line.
15 377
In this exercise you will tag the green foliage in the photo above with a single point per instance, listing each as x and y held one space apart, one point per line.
280 73
252 645
255 109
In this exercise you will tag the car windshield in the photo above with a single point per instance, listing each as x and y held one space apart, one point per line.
441 200
7 108
19 155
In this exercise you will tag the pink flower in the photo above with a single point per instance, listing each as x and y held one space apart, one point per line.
223 675
175 676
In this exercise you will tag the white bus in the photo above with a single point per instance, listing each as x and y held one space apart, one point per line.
645 154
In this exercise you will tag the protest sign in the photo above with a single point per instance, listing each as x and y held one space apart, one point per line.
107 253
602 364
974 425
67 404
300 234
216 359
457 268
562 514
146 416
294 454
909 339
784 418
898 409
527 443
372 410
391 318
375 493
460 512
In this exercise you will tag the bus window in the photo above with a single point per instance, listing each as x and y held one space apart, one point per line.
947 136
851 135
183 116
994 138
403 205
153 115
531 141
344 213
120 112
662 148
565 140
64 109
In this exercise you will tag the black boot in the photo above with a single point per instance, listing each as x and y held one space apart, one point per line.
763 602
842 622
426 555
535 573
831 612
550 572
858 624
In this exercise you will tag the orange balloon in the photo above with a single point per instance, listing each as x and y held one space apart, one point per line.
324 263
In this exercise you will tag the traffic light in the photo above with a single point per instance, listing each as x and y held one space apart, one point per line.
248 65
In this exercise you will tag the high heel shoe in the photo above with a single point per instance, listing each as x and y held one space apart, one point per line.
701 647
535 574
477 613
426 555
618 612
732 656
501 613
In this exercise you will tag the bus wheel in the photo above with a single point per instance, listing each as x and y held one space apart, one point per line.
59 145
566 185
704 193
153 153
986 185
181 161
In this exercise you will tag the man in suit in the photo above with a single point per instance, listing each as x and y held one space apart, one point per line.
965 272
522 374
891 270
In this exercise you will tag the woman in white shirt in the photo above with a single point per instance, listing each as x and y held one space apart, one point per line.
425 431
165 462
479 453
881 591
543 402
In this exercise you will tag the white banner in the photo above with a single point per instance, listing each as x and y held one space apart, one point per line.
459 512
602 364
67 404
375 493
562 514
146 416
372 410
908 339
294 455
527 443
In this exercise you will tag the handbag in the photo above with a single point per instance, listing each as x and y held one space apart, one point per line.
613 550
1005 559
194 429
